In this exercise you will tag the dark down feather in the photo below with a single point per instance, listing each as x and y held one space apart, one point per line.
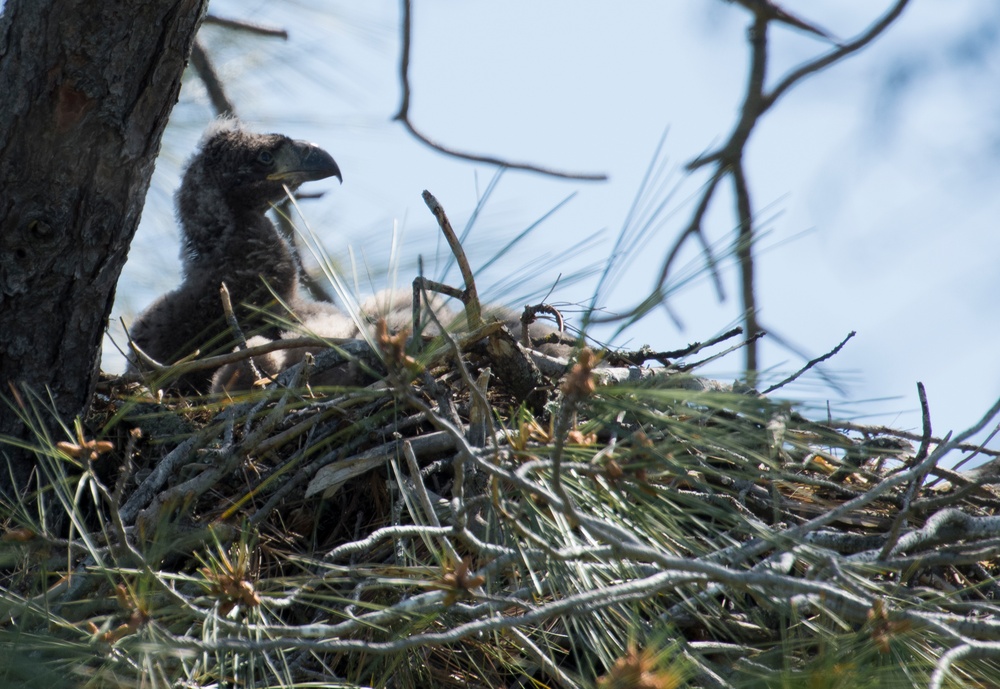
228 187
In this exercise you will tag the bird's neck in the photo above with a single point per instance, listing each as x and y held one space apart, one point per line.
237 246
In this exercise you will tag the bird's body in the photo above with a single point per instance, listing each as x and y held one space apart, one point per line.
396 310
228 187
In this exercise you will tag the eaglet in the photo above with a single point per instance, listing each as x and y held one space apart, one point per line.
228 187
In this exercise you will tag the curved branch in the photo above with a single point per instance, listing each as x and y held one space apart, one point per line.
403 116
470 297
727 159
837 54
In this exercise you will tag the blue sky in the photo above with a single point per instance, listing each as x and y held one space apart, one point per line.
875 180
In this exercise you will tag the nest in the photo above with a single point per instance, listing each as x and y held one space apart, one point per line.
486 515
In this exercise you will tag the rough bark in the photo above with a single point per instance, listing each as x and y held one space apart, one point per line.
87 88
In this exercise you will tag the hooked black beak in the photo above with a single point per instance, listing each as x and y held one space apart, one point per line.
301 161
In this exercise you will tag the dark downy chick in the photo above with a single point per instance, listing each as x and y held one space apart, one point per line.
228 187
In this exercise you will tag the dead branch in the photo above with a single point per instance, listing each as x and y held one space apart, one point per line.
911 491
773 12
403 116
206 72
249 27
234 326
529 315
728 158
745 343
873 32
473 309
813 362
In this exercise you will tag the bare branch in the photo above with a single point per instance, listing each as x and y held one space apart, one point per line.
873 32
768 10
473 309
812 362
728 159
234 326
403 116
903 515
206 72
249 27
745 259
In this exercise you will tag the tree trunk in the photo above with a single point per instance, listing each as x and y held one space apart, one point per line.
87 88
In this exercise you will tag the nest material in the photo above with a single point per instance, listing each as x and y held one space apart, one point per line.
717 523
485 515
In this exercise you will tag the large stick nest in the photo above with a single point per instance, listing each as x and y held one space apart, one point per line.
484 515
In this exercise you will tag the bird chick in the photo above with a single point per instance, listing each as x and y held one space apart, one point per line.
227 189
395 308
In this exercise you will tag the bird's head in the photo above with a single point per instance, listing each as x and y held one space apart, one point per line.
251 170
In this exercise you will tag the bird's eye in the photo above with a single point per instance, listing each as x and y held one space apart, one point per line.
265 158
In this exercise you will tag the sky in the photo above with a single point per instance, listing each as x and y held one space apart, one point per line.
874 182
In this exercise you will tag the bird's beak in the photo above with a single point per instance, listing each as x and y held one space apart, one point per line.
300 161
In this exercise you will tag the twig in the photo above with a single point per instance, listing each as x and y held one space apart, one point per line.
528 317
698 346
473 309
475 391
728 158
152 364
645 353
773 12
694 229
403 116
234 326
250 27
918 479
907 435
969 650
753 338
386 533
925 418
744 257
813 362
836 55
420 283
206 72
189 364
